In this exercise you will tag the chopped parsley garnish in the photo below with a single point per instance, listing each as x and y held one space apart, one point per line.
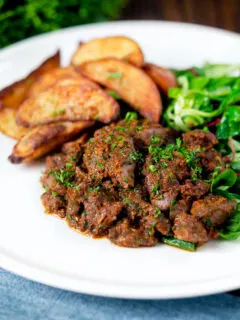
95 189
69 165
157 212
114 95
54 194
131 116
125 179
152 168
73 158
136 156
45 187
115 75
120 139
121 129
84 213
195 172
63 176
113 145
58 113
155 189
151 231
100 165
173 202
170 176
155 139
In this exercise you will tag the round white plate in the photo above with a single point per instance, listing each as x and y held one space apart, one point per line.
43 248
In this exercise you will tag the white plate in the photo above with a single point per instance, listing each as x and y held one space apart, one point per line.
44 249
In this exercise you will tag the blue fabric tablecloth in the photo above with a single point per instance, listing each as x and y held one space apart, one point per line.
22 299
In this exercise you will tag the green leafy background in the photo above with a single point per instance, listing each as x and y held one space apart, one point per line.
21 19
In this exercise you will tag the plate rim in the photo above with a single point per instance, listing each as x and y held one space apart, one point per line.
43 275
119 22
110 290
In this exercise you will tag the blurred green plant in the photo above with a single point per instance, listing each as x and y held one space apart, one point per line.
24 18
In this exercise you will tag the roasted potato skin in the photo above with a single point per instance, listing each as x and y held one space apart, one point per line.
8 125
60 76
13 95
132 84
120 47
41 140
69 102
164 78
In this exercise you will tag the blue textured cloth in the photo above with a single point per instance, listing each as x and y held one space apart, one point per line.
22 299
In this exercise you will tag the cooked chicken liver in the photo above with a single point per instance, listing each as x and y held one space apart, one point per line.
135 182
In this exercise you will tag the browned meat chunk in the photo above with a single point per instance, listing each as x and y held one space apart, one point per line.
109 155
189 228
179 207
149 133
150 217
53 204
135 181
194 190
211 159
166 199
55 162
161 183
124 235
198 139
101 212
215 209
50 183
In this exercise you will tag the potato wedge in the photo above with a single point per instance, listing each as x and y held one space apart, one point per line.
13 95
109 47
8 125
68 103
79 80
57 75
163 77
132 84
43 139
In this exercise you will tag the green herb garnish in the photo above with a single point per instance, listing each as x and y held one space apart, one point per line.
131 116
114 95
100 165
179 243
115 75
136 156
152 168
63 176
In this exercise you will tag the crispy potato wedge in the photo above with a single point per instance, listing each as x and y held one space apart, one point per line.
8 125
68 103
163 77
132 84
13 95
43 139
109 47
79 80
60 76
